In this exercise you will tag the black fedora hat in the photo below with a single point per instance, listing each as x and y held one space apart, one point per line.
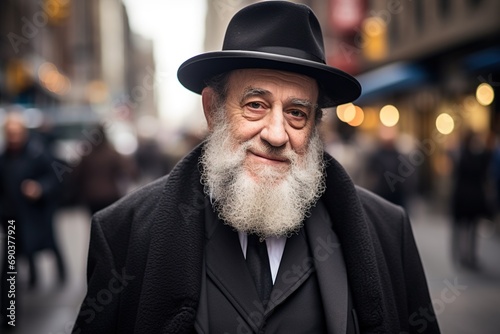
277 35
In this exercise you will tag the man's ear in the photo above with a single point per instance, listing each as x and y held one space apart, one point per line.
208 100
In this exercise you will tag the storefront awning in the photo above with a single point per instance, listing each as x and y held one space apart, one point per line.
486 59
390 79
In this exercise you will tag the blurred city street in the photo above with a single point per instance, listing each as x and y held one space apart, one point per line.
466 302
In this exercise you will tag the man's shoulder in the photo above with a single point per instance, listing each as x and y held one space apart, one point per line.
138 205
145 206
378 208
367 197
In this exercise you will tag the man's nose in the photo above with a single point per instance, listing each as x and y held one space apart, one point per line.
274 131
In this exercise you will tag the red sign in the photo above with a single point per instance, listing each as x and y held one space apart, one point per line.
345 15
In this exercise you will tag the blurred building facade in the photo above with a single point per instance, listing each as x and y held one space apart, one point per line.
429 71
75 61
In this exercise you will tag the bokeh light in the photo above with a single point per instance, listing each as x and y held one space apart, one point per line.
358 118
346 112
147 126
485 94
125 143
53 80
375 38
389 115
445 123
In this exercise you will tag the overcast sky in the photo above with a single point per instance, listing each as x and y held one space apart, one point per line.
177 30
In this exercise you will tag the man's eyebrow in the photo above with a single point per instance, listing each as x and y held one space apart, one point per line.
302 102
252 91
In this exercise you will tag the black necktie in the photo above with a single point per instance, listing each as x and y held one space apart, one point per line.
258 264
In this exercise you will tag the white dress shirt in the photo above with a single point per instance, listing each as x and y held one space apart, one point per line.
275 248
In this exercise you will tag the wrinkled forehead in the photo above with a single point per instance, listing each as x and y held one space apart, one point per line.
274 81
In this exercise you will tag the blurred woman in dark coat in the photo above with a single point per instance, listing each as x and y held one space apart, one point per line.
28 195
469 199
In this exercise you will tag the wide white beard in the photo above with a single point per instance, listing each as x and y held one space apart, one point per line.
271 202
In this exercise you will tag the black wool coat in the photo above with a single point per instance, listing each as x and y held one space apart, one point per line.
146 257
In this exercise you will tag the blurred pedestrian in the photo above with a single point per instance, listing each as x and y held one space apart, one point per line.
496 173
103 175
469 198
383 169
29 195
150 160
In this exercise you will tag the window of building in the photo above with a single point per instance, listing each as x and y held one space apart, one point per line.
474 3
419 15
444 8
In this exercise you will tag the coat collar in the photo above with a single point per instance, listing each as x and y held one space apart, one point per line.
363 255
172 277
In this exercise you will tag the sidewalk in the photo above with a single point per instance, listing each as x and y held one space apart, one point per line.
50 309
466 302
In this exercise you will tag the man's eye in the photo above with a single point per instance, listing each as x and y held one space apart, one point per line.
255 105
297 113
297 118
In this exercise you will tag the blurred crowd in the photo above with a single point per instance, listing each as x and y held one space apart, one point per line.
467 182
36 181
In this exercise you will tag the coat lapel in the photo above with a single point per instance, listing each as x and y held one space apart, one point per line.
295 268
227 268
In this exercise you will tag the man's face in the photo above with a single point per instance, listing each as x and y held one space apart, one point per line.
15 132
263 159
274 110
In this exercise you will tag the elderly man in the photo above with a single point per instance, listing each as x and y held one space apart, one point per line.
257 230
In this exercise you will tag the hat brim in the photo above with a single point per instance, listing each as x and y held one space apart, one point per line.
337 86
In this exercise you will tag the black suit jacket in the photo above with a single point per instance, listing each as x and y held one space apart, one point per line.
146 258
310 293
